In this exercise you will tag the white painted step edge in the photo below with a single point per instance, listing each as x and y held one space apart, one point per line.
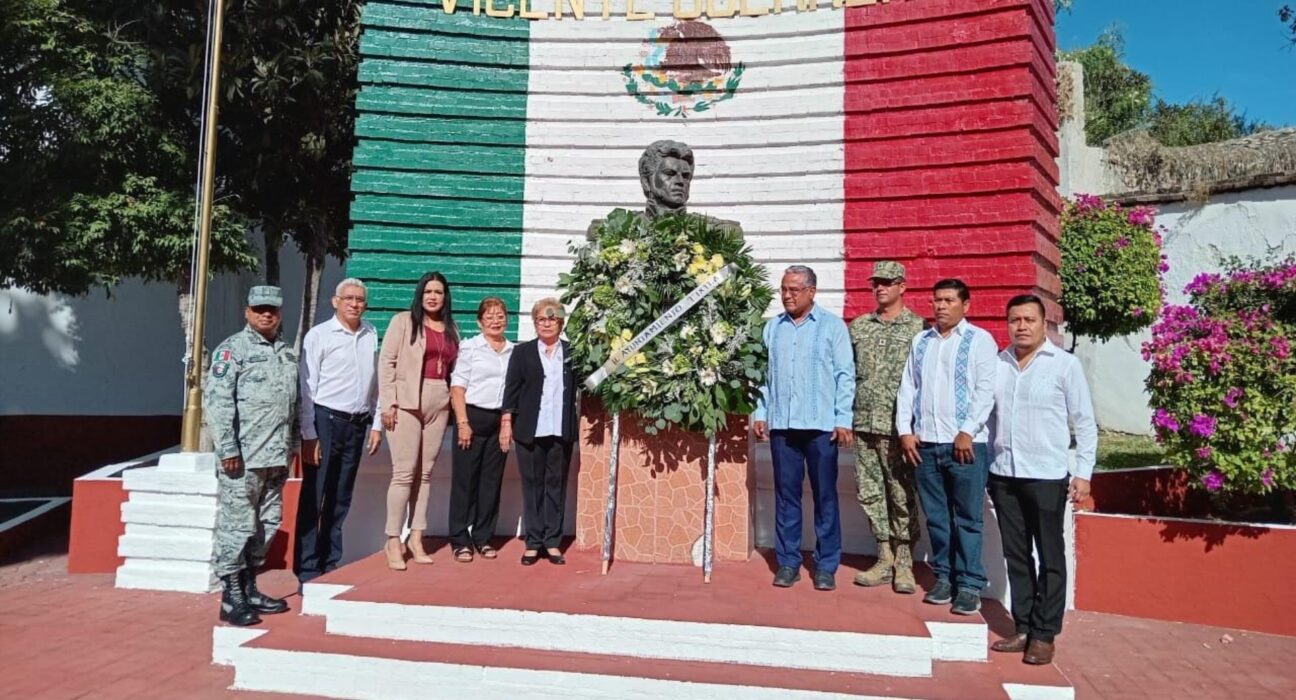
894 655
373 678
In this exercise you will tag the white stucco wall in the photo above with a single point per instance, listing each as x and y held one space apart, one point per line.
1255 223
120 354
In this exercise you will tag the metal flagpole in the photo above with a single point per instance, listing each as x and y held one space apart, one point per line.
191 425
609 511
708 529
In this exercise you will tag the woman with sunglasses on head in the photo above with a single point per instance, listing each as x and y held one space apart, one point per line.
418 355
477 394
540 416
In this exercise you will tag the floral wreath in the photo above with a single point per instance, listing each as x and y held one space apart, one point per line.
706 365
711 92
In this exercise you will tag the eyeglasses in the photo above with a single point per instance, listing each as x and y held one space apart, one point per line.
548 319
877 282
795 291
351 299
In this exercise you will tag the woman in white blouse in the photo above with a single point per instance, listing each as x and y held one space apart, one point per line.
476 393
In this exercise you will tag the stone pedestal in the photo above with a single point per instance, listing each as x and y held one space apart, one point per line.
661 489
170 519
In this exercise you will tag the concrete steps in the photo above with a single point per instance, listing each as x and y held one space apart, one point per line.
495 629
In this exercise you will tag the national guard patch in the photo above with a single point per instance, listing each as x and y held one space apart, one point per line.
220 368
224 355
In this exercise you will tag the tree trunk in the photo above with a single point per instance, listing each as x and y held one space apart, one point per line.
310 295
273 243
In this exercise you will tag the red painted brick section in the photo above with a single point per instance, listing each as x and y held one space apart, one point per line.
962 145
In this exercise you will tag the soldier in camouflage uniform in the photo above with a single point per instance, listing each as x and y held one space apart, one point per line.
250 406
886 484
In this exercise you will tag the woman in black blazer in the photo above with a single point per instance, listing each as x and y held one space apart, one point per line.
539 414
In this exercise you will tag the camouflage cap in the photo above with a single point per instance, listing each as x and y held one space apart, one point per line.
887 270
265 295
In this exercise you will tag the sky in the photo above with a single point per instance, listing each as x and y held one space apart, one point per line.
1197 48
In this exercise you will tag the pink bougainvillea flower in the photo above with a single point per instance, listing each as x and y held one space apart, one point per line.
1213 481
1232 396
1202 425
1163 419
1267 477
1205 452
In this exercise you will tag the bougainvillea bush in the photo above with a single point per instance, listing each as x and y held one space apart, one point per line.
1111 268
1223 380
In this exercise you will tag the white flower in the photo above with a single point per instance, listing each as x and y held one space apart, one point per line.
709 377
667 367
628 246
687 331
623 285
681 260
719 332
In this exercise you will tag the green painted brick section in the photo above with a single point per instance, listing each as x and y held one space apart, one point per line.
432 241
434 18
446 76
455 186
446 130
469 214
447 158
446 48
441 156
503 271
441 103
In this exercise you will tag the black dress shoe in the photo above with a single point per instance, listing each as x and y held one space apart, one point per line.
786 576
557 559
824 581
530 559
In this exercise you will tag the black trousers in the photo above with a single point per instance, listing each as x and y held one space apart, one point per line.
543 465
1030 514
326 491
475 477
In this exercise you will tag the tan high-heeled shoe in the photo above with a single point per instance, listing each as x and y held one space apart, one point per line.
395 558
416 548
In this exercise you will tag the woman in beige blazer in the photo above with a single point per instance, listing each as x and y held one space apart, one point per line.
418 354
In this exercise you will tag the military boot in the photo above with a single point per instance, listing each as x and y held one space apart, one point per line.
257 600
234 607
880 572
903 582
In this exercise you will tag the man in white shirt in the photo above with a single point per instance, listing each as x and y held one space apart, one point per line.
945 398
1040 396
339 405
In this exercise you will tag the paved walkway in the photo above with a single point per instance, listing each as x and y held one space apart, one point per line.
67 636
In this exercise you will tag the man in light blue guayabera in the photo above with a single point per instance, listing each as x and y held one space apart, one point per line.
805 411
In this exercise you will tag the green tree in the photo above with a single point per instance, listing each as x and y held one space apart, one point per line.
287 118
1117 97
1288 17
1199 122
97 181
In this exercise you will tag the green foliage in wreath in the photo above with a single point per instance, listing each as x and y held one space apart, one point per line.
708 364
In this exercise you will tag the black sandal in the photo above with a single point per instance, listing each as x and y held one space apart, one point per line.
463 555
487 552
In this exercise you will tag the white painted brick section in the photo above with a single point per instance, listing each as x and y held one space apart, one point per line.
163 514
150 479
166 575
171 546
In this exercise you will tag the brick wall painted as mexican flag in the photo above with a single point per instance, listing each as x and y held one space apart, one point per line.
917 130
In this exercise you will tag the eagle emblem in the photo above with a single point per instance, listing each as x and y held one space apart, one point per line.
685 67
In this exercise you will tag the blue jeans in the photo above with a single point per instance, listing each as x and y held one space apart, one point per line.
953 498
796 452
326 492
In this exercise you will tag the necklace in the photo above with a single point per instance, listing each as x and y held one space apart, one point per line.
439 349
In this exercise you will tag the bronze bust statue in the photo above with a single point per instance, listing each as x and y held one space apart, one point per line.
666 176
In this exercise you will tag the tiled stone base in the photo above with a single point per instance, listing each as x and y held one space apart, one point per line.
661 489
